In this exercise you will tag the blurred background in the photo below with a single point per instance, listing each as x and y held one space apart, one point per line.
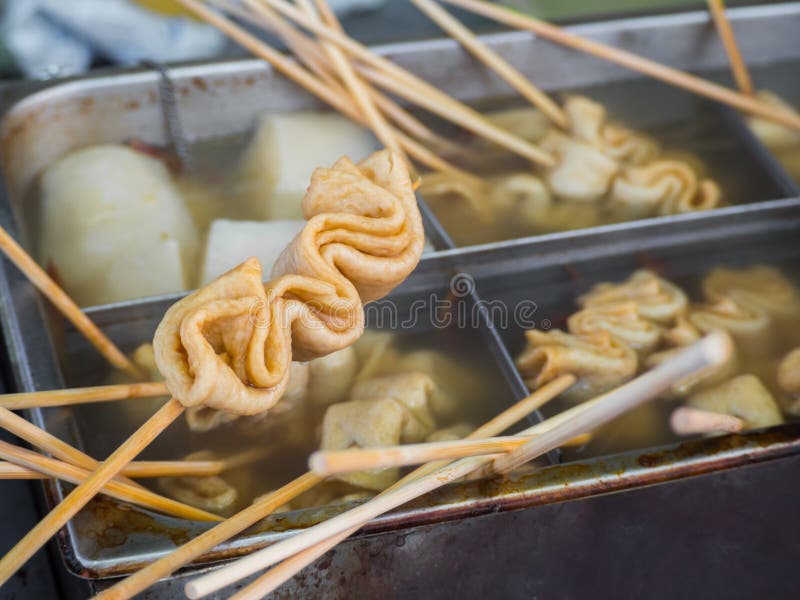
45 39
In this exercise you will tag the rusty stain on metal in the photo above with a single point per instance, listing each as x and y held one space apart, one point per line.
111 523
85 106
200 84
526 489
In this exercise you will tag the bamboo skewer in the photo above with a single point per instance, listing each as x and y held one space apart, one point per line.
11 471
413 126
136 470
352 82
631 61
687 420
66 306
497 425
305 49
39 438
416 90
44 441
312 84
326 463
302 47
86 395
508 73
81 495
332 462
49 467
47 442
245 458
194 468
738 67
711 350
714 349
166 565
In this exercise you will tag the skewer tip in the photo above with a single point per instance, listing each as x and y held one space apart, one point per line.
192 592
317 463
717 347
687 420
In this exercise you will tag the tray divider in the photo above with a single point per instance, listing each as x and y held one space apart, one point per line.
505 362
760 153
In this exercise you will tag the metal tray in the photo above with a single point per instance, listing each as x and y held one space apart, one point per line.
92 553
115 107
545 271
782 79
43 353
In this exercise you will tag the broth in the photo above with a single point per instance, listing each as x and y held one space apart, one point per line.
648 425
781 79
216 186
464 366
685 127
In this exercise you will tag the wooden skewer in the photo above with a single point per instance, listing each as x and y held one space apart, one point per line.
116 489
510 75
11 471
687 420
353 82
190 551
43 440
711 350
631 61
579 440
303 47
497 425
413 126
174 468
740 73
309 53
86 395
311 83
137 470
47 442
165 566
332 462
245 458
81 495
416 90
45 284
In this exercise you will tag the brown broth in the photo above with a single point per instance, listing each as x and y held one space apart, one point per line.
684 127
103 426
648 425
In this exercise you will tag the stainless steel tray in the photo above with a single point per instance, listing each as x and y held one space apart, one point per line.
746 234
114 107
43 353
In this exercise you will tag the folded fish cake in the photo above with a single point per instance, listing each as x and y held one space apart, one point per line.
744 397
657 299
599 361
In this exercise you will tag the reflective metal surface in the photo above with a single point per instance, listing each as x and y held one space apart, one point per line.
44 353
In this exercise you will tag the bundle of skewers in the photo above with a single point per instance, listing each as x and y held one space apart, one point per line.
583 169
229 346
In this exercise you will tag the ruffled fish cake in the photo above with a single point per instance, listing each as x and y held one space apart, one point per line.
599 361
229 346
657 299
